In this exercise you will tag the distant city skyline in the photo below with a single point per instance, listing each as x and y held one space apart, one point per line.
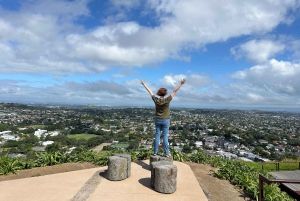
234 54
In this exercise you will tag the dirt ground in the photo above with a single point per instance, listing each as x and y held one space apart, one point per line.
214 188
100 147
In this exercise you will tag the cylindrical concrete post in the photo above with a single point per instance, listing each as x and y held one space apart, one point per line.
153 159
128 158
117 168
159 158
165 178
154 165
170 159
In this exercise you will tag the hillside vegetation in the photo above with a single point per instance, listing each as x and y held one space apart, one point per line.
239 173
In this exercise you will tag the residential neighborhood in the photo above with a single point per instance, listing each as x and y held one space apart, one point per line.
250 135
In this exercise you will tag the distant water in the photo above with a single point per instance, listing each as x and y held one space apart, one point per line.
274 109
293 109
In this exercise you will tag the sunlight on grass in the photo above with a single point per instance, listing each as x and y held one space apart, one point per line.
82 136
271 166
38 126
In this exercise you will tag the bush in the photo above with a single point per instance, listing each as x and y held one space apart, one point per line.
240 174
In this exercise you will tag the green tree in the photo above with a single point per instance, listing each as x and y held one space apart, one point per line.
56 146
186 149
31 139
133 145
3 127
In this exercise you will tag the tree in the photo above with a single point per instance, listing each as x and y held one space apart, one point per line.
133 145
11 143
3 127
56 146
28 131
82 142
186 149
258 150
31 139
94 141
140 128
227 134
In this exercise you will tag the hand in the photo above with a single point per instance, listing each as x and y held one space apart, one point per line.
183 81
142 82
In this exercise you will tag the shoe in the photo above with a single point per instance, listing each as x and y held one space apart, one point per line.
168 156
154 154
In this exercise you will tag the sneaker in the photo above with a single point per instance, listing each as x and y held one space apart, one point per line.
168 156
154 154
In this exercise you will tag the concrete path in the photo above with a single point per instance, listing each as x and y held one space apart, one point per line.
92 185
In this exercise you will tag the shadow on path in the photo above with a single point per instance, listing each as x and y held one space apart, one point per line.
143 164
146 182
103 174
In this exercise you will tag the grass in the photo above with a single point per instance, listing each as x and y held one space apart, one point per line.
82 136
282 166
271 166
103 153
38 126
4 149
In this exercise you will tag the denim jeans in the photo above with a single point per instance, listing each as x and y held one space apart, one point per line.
162 125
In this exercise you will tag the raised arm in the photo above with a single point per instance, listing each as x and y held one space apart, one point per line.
178 87
144 84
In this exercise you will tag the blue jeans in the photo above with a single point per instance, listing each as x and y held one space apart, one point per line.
162 125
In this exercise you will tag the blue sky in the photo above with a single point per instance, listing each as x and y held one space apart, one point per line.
233 53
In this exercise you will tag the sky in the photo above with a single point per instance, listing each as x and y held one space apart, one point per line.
233 53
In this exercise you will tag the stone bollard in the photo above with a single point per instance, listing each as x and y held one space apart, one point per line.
153 159
159 158
128 158
154 165
165 178
117 168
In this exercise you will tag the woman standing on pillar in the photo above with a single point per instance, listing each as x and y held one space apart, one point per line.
162 115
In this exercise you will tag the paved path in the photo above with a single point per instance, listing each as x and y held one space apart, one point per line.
100 147
92 185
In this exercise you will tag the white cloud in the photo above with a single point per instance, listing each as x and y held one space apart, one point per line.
193 80
294 47
258 51
45 31
120 10
118 75
254 87
43 37
126 4
65 11
278 77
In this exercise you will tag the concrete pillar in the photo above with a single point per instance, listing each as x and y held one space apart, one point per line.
117 168
165 179
159 158
154 165
128 158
